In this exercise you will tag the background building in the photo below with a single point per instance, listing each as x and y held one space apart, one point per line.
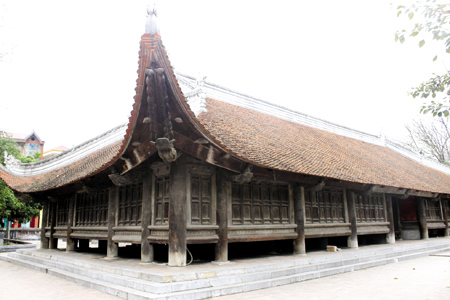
29 144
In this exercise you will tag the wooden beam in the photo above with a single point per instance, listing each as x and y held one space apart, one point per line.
138 155
209 153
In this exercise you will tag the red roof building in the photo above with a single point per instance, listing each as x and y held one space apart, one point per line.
201 164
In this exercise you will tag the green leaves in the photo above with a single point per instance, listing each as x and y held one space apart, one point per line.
9 145
434 21
10 206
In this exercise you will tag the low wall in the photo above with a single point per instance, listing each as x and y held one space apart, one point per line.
23 233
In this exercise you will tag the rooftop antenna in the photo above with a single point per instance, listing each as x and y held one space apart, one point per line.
151 27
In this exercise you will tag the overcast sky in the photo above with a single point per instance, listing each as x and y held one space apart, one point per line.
70 68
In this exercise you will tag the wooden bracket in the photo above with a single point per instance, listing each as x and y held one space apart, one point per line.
317 187
244 177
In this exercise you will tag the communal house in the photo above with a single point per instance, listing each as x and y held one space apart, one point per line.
200 164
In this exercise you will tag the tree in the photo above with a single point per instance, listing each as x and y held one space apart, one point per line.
9 145
430 138
433 19
10 207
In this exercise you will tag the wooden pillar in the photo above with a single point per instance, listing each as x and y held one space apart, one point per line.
444 206
112 249
390 237
147 255
397 217
53 242
223 198
177 213
70 242
352 241
420 205
44 221
300 219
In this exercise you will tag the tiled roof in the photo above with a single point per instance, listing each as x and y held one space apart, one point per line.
93 163
283 145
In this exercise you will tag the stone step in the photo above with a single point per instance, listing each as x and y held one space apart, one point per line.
106 287
264 270
135 283
126 281
201 293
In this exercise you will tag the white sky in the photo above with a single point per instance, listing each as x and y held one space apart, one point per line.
70 71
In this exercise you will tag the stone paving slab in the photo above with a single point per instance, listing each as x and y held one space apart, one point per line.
18 282
426 278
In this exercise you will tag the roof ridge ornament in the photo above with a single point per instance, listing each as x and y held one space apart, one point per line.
151 27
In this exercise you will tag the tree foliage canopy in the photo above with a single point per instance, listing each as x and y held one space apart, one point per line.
433 20
10 207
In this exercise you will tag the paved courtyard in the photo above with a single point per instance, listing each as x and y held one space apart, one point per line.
426 278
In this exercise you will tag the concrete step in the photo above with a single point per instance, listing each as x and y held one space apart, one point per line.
132 283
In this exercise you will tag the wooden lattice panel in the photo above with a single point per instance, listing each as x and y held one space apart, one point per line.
162 200
370 208
260 203
92 209
326 206
433 209
130 205
201 200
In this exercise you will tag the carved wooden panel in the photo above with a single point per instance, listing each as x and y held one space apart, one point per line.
130 205
370 208
201 198
326 206
433 209
162 200
92 209
62 212
260 203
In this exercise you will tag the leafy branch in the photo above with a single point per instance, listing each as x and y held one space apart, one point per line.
433 19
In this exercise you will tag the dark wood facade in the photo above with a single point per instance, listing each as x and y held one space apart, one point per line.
218 210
